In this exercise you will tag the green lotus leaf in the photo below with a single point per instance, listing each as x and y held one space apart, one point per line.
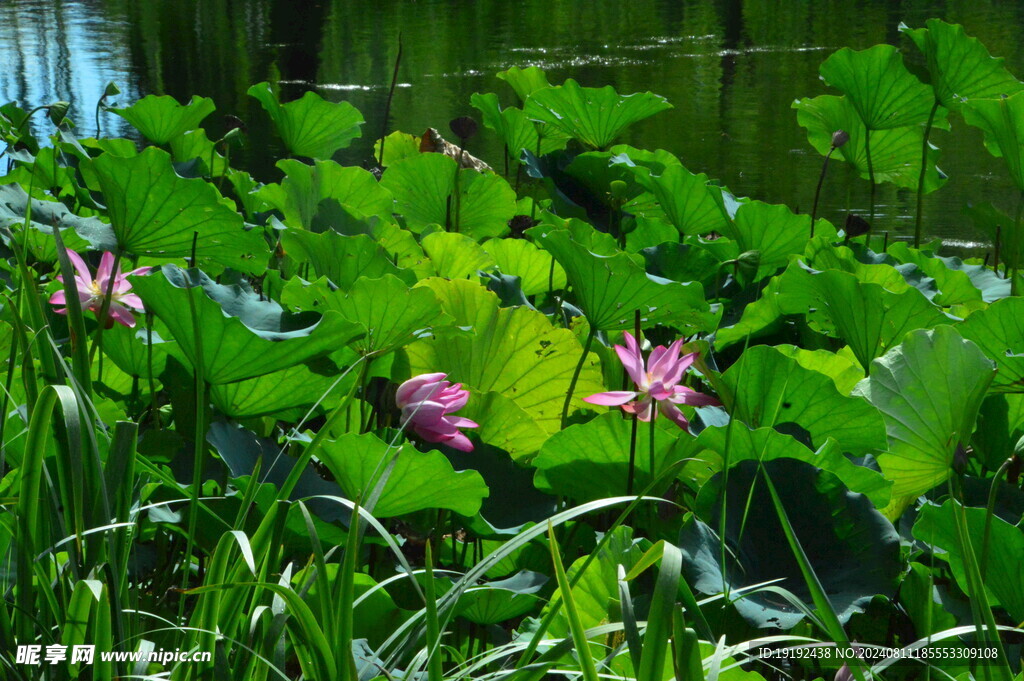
161 118
513 351
514 128
765 388
868 316
880 88
418 481
686 200
610 288
929 390
505 425
959 66
895 152
403 248
392 313
681 261
240 335
590 461
594 116
951 275
716 444
455 256
502 600
525 81
994 223
999 331
936 525
78 233
155 212
774 231
840 366
424 188
397 145
1002 121
310 126
853 550
286 394
533 266
129 350
301 195
194 145
342 259
597 589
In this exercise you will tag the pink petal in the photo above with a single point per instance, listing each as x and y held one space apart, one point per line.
665 361
121 315
658 391
684 395
407 389
455 402
461 422
460 442
104 270
674 373
138 271
83 270
674 415
631 359
642 408
58 298
613 398
132 300
424 413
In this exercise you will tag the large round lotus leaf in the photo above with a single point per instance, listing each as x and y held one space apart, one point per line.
525 81
424 191
514 351
417 481
591 460
305 188
594 116
609 289
499 601
895 152
768 388
310 126
929 390
1002 121
533 266
853 549
240 336
514 128
155 212
999 331
884 93
161 118
960 67
937 526
685 199
342 259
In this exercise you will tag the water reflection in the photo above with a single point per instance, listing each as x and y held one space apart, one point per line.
731 67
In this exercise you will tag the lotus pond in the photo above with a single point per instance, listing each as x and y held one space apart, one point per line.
571 409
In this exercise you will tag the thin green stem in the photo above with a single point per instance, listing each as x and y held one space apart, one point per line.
922 174
992 493
817 192
871 177
576 374
632 457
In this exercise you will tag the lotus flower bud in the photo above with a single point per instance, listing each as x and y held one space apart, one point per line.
618 189
839 138
844 673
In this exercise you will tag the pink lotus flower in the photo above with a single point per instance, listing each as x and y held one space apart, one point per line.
657 383
427 402
91 292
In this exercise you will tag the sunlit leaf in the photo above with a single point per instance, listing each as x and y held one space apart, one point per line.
880 88
161 118
310 126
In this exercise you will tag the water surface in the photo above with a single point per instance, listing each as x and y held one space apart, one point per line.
731 68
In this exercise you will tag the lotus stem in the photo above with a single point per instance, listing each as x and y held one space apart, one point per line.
576 374
993 490
817 192
631 473
387 103
921 176
871 177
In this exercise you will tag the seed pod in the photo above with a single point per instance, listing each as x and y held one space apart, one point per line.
464 127
839 138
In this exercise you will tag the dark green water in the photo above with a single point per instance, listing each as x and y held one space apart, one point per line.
731 68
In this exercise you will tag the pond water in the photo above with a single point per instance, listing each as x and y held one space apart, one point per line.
731 68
